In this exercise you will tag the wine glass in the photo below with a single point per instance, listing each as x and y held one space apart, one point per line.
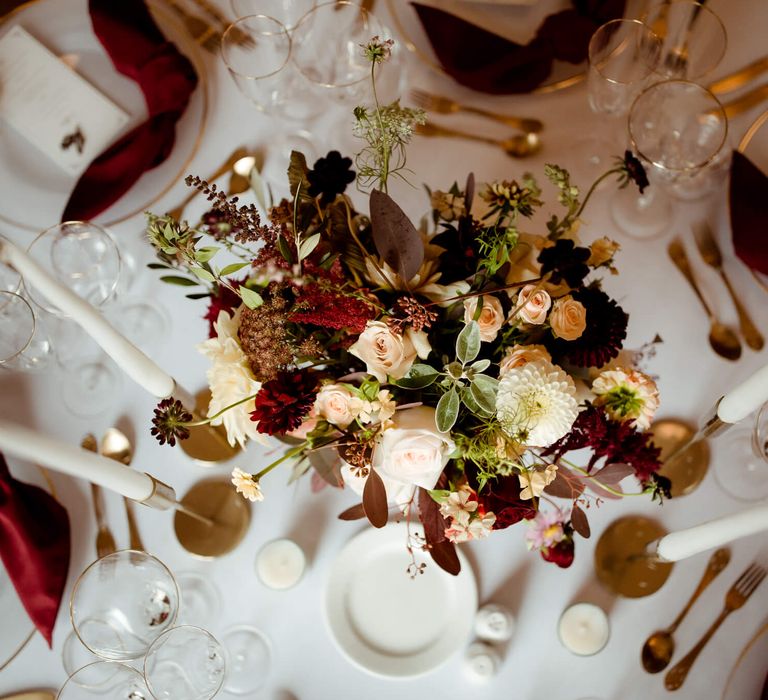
24 343
678 130
103 679
743 470
200 600
185 662
693 38
623 55
249 657
122 603
289 12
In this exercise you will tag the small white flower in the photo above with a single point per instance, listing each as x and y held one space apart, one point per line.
535 403
459 505
246 485
533 481
480 528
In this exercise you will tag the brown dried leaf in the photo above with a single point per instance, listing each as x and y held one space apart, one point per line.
396 238
612 474
327 463
580 522
353 513
375 499
566 485
469 192
444 555
297 175
431 518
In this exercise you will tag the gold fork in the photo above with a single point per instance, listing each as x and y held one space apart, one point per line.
711 254
202 32
738 594
444 105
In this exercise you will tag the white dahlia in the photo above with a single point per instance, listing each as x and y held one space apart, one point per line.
627 394
536 403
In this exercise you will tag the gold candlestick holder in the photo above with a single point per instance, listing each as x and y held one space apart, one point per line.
685 468
207 444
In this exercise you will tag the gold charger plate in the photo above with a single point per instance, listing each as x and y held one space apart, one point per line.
516 22
35 189
748 675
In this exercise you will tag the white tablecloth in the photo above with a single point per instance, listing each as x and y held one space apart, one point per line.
307 665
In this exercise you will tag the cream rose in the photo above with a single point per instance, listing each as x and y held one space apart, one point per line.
568 318
387 353
397 493
533 304
338 404
413 451
491 316
519 355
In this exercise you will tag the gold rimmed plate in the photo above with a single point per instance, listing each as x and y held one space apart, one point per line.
516 21
35 190
749 676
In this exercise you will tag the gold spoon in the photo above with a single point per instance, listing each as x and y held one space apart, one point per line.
240 179
116 445
517 146
105 541
660 646
722 339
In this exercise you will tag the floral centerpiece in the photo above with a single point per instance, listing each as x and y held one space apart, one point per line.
443 371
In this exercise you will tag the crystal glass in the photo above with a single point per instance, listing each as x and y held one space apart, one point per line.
111 681
186 663
693 38
288 12
24 343
122 603
249 658
200 600
679 131
75 655
742 469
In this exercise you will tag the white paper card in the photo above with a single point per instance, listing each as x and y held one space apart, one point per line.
53 107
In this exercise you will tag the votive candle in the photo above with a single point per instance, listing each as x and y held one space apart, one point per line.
280 564
584 629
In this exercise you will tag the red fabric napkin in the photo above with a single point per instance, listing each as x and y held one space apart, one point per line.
487 62
167 78
34 547
748 196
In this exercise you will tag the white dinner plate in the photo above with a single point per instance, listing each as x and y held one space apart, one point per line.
748 676
35 191
384 621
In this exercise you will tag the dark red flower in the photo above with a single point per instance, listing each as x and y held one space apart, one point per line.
561 553
330 176
168 422
604 335
221 299
282 403
632 170
502 497
565 261
325 307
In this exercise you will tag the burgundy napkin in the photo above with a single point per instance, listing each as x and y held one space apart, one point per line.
748 196
487 62
34 547
167 78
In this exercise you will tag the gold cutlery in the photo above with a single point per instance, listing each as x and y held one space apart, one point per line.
738 594
31 695
711 254
444 105
223 22
745 102
739 78
660 646
722 339
518 146
116 445
227 165
105 541
202 32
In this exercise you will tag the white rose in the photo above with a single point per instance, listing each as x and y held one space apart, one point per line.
413 451
568 318
386 353
519 355
397 493
532 304
338 404
491 316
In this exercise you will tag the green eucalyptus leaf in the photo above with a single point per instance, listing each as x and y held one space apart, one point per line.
203 255
199 295
159 266
234 267
439 495
480 365
447 411
484 393
284 248
250 298
203 274
469 401
468 342
308 245
181 281
419 377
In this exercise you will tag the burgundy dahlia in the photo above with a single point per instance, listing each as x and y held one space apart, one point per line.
330 176
565 261
169 422
282 403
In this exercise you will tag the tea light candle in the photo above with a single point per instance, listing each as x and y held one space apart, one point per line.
481 662
280 564
493 623
583 629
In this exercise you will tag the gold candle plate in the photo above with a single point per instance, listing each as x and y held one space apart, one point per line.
688 469
207 444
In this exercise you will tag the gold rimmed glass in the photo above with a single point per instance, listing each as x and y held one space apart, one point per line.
24 345
289 12
122 603
107 680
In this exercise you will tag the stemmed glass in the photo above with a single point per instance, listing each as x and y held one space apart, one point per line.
742 472
24 344
288 12
107 680
678 129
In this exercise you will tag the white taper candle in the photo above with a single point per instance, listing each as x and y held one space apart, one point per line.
69 459
745 398
700 538
128 357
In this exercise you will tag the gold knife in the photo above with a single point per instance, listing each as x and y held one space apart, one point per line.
739 78
746 101
31 695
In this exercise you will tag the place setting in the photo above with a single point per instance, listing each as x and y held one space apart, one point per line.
357 365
